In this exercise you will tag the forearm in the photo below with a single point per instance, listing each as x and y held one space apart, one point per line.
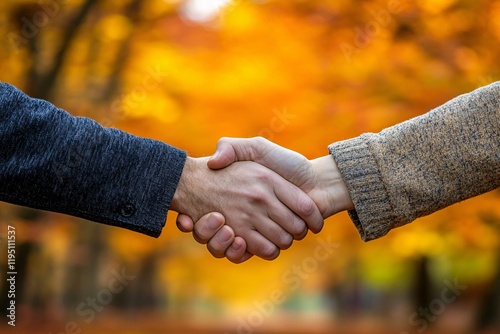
53 161
425 164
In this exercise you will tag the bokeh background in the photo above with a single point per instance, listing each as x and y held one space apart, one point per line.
303 73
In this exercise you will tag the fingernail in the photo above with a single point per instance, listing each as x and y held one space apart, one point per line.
224 235
212 222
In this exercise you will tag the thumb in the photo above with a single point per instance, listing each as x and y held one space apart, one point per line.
255 149
224 155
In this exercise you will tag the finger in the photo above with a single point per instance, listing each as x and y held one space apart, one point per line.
184 223
292 225
221 242
224 154
301 204
260 246
257 149
273 228
207 227
237 252
286 224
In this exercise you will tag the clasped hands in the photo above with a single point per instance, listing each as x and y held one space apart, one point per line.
254 197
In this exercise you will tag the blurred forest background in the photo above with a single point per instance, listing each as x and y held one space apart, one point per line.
303 73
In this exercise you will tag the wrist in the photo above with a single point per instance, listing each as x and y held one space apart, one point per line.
331 188
181 194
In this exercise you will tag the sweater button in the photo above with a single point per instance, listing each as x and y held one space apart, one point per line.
127 210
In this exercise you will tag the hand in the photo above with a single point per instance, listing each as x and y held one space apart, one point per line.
220 239
260 206
319 178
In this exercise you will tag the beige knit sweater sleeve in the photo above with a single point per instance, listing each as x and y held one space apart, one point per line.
424 164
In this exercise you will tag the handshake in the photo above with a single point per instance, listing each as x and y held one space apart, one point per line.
253 197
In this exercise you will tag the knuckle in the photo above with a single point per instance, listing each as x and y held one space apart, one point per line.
199 239
214 251
299 230
200 235
259 140
258 195
319 227
316 226
286 241
269 252
223 140
306 206
302 235
262 174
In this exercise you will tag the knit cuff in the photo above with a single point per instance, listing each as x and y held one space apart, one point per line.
373 213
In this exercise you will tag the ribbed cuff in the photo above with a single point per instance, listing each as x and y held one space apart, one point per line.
373 214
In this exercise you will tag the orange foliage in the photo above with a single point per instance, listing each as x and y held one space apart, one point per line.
316 67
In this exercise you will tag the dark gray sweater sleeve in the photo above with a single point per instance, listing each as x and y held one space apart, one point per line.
422 165
53 161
